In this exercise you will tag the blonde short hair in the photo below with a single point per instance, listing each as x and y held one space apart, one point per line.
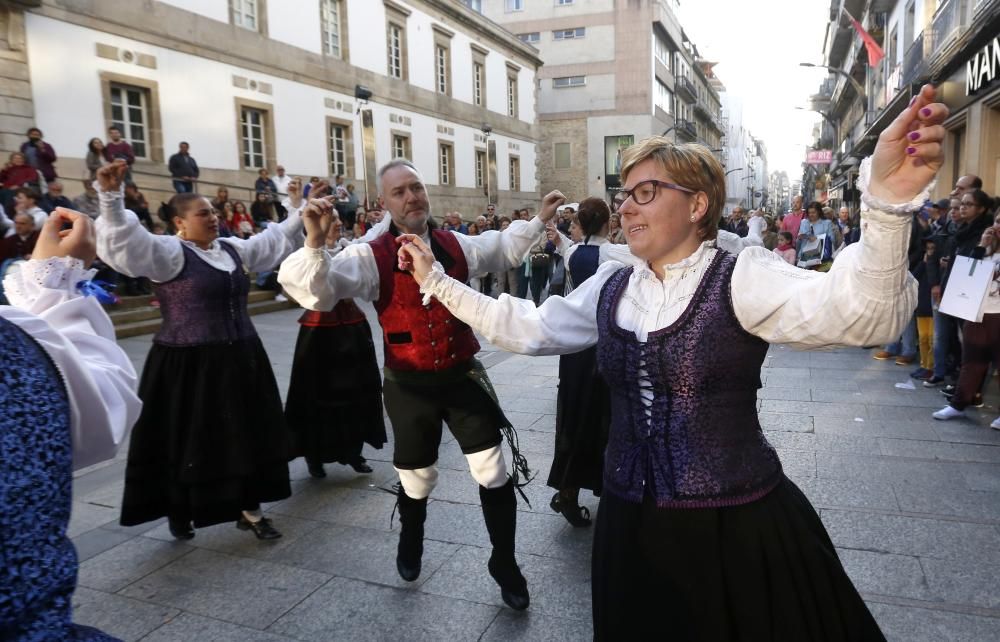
689 165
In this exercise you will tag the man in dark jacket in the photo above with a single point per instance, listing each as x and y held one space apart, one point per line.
54 198
40 154
183 169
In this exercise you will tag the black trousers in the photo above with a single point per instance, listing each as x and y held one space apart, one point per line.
418 411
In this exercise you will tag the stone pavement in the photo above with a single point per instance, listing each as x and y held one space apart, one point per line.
912 504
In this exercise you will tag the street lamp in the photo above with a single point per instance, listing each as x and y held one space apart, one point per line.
733 170
826 117
837 70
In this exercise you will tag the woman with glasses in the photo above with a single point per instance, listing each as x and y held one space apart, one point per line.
699 532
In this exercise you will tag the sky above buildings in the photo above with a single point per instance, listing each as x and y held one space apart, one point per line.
759 46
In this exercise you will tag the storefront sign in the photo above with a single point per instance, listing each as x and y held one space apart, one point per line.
819 157
983 68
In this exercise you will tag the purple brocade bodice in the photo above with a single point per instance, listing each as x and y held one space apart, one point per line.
203 305
699 443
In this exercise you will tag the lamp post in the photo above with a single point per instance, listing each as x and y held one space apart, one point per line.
826 117
837 70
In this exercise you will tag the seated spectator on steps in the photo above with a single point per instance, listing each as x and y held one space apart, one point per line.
55 198
21 243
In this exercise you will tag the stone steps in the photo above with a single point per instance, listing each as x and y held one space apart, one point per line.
134 315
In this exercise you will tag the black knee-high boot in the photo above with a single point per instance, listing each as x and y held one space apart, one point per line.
412 513
500 514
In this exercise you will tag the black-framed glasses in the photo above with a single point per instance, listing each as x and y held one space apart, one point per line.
644 192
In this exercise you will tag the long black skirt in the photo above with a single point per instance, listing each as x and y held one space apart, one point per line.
334 403
766 570
583 415
211 440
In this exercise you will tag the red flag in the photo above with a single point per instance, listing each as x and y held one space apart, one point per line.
875 53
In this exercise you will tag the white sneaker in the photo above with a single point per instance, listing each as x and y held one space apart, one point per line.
996 424
948 412
281 298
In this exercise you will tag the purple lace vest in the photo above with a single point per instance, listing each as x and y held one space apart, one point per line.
203 305
701 444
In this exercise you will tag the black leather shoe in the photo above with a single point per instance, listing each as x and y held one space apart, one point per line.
360 465
316 470
513 587
578 516
262 528
180 529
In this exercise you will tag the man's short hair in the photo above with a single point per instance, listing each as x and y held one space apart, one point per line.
25 215
29 192
33 129
394 163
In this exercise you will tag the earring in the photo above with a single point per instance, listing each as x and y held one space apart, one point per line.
692 218
180 233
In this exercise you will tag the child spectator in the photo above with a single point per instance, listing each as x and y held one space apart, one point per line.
925 314
785 249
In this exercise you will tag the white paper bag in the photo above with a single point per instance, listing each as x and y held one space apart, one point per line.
968 286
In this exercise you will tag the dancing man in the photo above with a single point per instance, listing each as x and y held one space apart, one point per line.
431 373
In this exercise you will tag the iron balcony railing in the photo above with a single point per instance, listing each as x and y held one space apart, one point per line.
684 86
914 62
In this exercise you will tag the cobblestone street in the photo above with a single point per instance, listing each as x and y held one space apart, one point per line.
913 505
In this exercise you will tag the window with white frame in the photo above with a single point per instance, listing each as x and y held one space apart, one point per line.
477 84
130 114
400 146
475 5
338 149
530 37
252 131
441 66
664 97
330 22
480 167
514 164
244 13
569 34
569 81
512 95
395 45
446 163
515 5
661 50
563 158
563 3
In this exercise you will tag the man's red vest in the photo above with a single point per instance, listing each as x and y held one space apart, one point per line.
346 312
420 337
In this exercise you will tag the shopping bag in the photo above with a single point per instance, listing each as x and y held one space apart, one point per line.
812 252
968 286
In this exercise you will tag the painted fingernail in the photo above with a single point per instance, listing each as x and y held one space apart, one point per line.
913 100
914 135
926 111
911 150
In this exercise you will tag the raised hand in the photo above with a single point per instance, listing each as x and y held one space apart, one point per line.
110 176
552 234
317 218
909 153
80 241
295 191
414 256
551 201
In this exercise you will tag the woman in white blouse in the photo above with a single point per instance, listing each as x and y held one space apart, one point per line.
699 533
211 443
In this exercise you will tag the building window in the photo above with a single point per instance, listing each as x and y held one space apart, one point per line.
475 5
480 167
563 3
562 153
664 97
446 164
515 5
331 23
130 114
477 84
245 13
338 149
511 92
515 173
400 146
530 38
442 65
253 123
569 81
569 34
396 42
661 50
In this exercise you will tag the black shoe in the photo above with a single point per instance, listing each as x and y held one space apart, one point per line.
360 465
513 586
180 529
933 382
316 470
948 390
261 528
410 551
977 401
500 514
575 514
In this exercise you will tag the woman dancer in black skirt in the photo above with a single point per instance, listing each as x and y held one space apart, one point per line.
197 456
700 536
583 406
334 401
